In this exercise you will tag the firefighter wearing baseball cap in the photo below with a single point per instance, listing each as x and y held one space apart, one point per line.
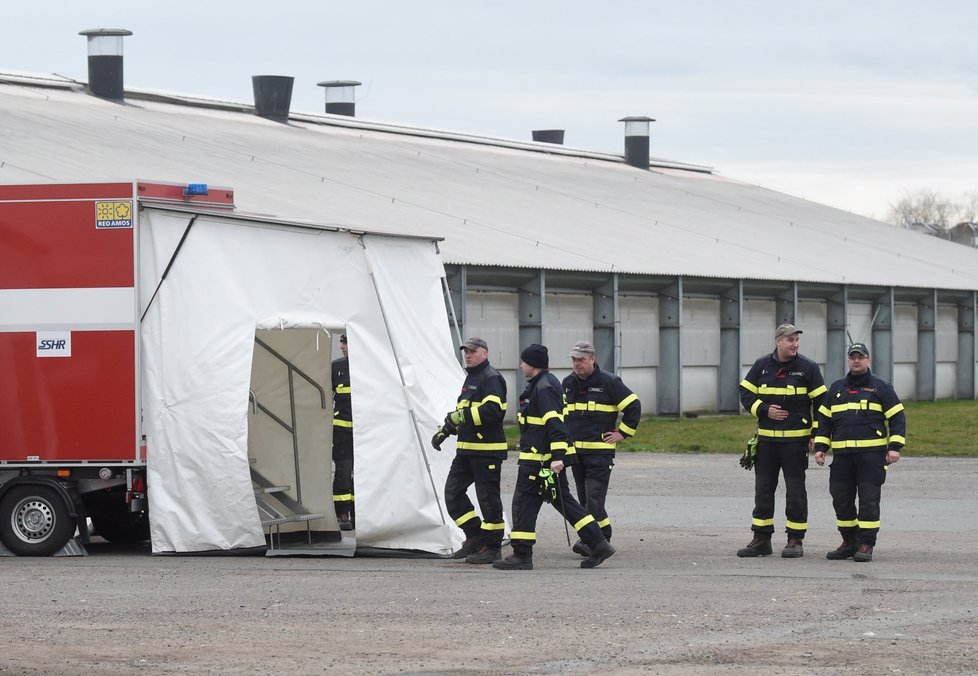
479 454
600 411
783 390
862 422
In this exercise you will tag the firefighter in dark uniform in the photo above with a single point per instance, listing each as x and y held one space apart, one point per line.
783 390
479 454
862 422
594 401
342 439
545 443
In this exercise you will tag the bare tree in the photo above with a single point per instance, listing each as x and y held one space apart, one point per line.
923 209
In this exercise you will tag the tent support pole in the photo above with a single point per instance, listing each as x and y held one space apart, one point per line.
400 374
451 310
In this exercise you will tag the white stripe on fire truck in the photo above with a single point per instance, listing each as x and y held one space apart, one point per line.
67 309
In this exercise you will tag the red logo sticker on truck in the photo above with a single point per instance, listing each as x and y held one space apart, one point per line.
115 214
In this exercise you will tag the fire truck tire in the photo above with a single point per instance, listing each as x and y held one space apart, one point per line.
121 527
34 521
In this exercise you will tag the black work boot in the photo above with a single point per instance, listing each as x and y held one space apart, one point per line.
843 551
793 549
864 553
514 562
344 521
469 546
581 548
759 546
601 551
484 555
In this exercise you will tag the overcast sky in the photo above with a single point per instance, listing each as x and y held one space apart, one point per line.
848 103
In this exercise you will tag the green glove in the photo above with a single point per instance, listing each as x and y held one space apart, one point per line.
547 484
457 417
750 455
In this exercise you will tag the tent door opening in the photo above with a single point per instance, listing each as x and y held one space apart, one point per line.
289 439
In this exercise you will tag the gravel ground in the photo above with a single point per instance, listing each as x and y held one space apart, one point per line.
674 600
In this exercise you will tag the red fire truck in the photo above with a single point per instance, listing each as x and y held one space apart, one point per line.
70 441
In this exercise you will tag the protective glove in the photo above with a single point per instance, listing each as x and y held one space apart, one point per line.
439 438
455 418
750 455
547 484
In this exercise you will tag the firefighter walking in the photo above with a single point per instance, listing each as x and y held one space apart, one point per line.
545 444
783 390
594 401
480 451
863 423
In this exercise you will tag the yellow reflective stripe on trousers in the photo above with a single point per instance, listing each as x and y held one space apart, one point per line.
859 443
762 522
465 517
346 497
794 525
339 422
482 445
493 526
784 433
868 525
583 522
522 535
604 522
846 524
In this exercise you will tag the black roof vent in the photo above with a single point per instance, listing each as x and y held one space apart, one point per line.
340 99
549 136
273 96
637 140
105 62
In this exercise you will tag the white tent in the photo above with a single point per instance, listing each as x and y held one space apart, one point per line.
231 279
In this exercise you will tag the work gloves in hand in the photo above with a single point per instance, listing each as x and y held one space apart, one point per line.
750 455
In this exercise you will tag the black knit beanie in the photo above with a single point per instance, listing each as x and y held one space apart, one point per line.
536 355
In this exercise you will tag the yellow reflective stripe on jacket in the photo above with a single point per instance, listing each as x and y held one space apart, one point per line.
893 411
898 439
784 433
787 390
590 406
626 430
823 440
560 446
824 411
534 456
534 420
818 391
342 389
339 422
859 443
626 401
753 409
482 445
749 386
593 444
856 406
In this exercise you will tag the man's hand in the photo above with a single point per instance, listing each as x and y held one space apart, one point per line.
892 457
612 437
439 438
557 466
775 412
819 458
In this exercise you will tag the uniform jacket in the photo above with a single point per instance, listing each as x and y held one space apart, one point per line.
592 407
483 404
342 406
861 413
543 435
795 385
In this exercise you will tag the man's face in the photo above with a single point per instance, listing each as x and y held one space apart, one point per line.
526 369
583 366
475 357
858 363
787 346
343 348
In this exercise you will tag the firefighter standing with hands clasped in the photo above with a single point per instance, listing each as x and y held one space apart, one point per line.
783 390
545 448
862 422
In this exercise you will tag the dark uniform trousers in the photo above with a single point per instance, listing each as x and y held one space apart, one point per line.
791 458
526 506
343 472
864 472
484 473
592 473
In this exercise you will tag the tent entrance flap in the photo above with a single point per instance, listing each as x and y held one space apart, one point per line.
289 437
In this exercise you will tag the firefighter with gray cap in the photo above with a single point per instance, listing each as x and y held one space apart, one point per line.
600 410
783 390
863 423
479 454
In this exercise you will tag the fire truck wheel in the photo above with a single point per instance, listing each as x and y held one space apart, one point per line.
34 521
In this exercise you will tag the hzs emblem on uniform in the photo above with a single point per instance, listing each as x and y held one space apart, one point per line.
116 214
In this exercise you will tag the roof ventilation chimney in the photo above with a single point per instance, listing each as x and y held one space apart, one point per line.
549 136
273 96
637 140
340 98
105 62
